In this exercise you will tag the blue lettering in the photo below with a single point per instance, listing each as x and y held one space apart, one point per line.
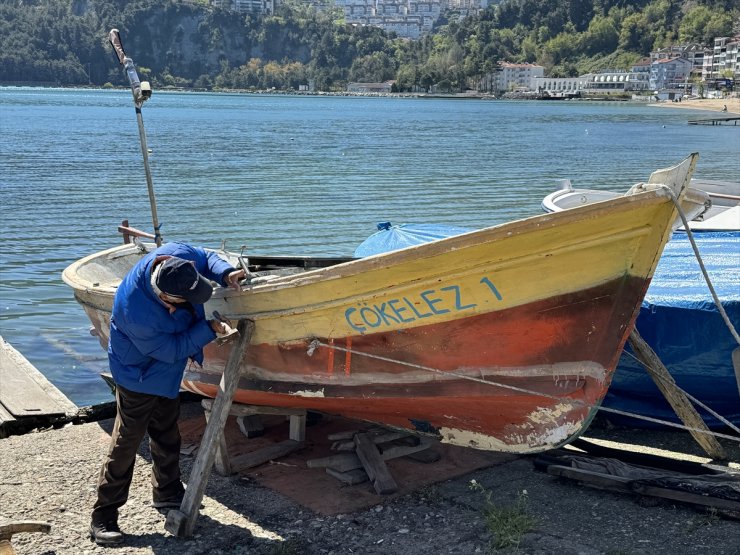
492 287
399 310
432 302
412 307
458 304
363 314
347 314
381 312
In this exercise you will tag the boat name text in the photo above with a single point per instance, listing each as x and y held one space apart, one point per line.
404 310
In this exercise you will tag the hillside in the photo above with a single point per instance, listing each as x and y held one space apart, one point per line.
191 44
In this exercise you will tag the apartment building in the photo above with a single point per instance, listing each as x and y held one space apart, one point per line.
670 73
722 58
247 6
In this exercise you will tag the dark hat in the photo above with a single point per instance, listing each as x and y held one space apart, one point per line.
180 278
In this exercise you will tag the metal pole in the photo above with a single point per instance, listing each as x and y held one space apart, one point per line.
141 91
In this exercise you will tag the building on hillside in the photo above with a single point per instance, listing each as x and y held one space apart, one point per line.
616 82
559 86
640 74
385 87
722 59
247 6
670 74
515 77
407 18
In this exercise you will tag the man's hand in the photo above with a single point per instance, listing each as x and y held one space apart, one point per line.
233 279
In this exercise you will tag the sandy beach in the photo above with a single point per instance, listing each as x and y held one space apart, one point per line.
708 104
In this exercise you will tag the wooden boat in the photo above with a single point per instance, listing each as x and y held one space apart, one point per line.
722 213
504 338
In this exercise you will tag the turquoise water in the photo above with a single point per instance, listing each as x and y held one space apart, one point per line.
286 175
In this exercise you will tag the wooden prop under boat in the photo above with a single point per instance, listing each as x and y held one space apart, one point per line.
504 338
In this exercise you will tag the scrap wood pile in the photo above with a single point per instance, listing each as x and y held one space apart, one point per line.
362 455
705 486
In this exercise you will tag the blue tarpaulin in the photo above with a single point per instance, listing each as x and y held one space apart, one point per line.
681 323
393 237
678 319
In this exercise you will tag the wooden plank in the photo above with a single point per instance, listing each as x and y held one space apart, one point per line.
349 444
349 461
351 477
250 410
25 391
628 485
374 465
677 399
686 497
251 425
261 456
221 462
182 522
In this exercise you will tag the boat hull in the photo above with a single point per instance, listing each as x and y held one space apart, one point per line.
504 338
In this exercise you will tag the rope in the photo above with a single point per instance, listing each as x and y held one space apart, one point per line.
691 397
316 343
690 235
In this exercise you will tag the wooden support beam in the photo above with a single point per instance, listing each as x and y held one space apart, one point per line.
261 456
182 522
374 465
677 399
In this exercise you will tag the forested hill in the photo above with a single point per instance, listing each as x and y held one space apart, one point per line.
187 43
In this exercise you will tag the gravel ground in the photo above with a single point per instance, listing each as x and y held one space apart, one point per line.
50 476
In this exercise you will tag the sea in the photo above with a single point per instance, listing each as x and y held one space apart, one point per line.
286 175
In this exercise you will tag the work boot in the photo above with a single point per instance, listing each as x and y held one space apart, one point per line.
106 532
172 503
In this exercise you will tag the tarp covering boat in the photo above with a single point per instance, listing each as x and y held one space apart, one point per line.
679 320
393 237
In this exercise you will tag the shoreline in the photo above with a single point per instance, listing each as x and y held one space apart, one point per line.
705 104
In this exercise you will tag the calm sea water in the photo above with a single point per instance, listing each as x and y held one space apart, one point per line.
286 175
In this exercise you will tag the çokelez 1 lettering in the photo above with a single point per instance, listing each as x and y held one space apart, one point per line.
403 310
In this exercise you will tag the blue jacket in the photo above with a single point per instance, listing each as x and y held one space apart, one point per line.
149 347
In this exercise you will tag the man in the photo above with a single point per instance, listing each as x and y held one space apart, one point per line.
158 324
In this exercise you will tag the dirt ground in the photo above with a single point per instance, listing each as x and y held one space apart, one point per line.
284 507
708 104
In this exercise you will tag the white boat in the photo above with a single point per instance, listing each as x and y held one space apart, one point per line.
722 213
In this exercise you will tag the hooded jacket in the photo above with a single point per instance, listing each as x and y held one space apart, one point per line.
148 347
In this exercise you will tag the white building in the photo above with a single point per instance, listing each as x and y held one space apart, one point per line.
247 6
513 77
723 57
560 86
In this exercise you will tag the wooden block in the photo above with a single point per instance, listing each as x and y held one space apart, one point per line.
297 428
374 465
261 456
349 461
251 425
341 463
351 477
342 435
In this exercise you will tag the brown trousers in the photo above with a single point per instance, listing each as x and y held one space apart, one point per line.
137 414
